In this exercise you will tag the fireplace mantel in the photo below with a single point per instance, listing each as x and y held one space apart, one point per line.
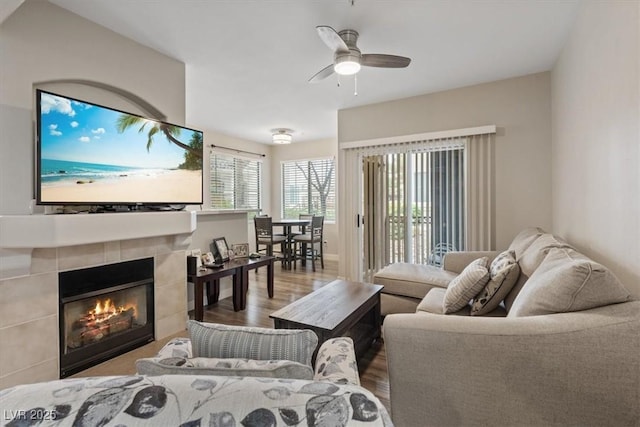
21 234
53 231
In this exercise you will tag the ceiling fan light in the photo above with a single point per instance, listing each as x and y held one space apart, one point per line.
347 65
282 137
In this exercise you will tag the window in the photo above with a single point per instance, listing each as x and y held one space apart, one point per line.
308 186
234 182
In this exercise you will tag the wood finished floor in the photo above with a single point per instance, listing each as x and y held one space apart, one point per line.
289 285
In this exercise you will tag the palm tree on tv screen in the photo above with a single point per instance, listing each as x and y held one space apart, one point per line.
193 158
194 149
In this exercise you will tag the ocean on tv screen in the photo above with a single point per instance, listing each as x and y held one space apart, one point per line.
93 154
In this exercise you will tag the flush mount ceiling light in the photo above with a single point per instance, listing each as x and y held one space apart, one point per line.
347 64
282 136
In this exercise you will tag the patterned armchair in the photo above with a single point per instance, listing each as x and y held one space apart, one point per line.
173 389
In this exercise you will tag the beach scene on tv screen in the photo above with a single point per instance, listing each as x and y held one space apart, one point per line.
95 155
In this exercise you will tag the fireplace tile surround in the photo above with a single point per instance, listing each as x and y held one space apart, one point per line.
29 303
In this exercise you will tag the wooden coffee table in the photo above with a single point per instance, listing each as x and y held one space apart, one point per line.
340 308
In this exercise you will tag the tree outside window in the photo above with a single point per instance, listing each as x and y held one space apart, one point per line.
308 187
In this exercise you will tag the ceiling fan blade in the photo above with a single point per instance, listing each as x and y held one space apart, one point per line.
331 38
384 61
322 74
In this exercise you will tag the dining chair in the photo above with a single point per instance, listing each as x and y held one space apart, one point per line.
302 229
265 236
308 242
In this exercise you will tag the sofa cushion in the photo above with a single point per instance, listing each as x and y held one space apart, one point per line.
466 286
504 272
433 302
390 304
226 367
529 261
524 239
568 281
412 280
223 341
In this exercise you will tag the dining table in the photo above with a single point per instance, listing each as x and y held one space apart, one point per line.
287 225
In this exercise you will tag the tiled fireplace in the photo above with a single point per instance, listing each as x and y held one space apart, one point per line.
30 297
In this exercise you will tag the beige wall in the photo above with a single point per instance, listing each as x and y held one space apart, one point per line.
41 42
303 150
520 107
596 137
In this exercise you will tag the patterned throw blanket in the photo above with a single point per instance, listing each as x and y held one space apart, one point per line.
186 400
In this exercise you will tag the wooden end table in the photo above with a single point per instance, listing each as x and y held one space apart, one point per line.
239 269
243 266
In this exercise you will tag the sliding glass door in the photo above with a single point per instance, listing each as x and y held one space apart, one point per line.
413 207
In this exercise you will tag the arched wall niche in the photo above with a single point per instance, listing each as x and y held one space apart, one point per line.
103 94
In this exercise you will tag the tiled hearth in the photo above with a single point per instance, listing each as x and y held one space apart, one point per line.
29 302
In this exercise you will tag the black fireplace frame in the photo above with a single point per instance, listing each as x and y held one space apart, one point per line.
94 282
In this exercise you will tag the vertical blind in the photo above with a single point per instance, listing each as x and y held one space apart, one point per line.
234 182
308 187
375 213
447 200
480 196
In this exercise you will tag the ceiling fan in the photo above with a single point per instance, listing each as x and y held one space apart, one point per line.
347 58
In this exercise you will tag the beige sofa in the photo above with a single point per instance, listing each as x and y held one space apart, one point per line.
563 348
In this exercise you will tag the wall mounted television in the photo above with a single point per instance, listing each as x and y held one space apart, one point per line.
92 155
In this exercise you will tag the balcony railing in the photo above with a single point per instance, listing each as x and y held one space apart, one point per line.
424 248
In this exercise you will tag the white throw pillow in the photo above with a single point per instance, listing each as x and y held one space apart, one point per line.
504 272
466 286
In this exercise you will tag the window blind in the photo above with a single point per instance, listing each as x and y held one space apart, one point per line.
308 187
234 182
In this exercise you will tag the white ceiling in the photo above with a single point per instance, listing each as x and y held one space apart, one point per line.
248 61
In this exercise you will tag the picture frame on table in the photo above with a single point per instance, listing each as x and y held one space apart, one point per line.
220 250
208 259
240 250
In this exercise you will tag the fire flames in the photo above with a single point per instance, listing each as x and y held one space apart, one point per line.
105 319
107 309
